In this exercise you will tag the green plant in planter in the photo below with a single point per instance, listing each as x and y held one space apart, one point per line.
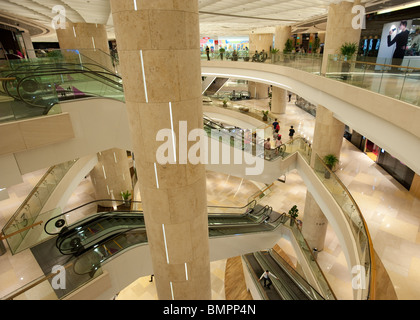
265 115
288 46
330 161
316 45
221 51
125 195
347 50
293 213
225 101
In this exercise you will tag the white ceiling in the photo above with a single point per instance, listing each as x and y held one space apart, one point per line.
217 17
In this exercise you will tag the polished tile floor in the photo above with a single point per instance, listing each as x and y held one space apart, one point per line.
391 212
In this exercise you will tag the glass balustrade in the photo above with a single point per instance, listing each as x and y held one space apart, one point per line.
393 78
353 215
29 211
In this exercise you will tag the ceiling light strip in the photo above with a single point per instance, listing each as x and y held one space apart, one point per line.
74 32
144 76
135 5
173 132
244 17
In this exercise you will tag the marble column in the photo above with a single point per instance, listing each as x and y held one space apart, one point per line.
279 100
314 224
258 90
339 29
159 50
90 38
260 41
281 35
111 176
328 139
328 134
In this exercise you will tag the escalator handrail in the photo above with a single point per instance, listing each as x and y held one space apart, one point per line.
81 206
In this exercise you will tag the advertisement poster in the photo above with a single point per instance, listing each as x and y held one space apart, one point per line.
399 44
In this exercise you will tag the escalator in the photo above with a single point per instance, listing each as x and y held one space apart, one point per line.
98 237
95 229
37 87
215 87
290 285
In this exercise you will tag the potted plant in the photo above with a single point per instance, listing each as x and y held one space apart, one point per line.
274 52
221 51
265 115
316 45
293 213
288 46
347 50
246 57
225 101
330 161
126 196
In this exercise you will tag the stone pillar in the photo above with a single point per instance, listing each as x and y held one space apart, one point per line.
279 100
328 134
91 37
415 186
260 41
314 224
339 29
159 50
282 34
111 176
258 90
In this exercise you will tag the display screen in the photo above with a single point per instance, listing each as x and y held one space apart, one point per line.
400 43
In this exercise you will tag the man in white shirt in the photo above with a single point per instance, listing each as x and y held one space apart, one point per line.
266 275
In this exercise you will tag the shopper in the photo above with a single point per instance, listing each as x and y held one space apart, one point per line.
291 132
290 96
278 143
275 124
208 53
266 275
267 148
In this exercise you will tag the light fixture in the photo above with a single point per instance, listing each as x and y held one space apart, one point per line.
400 7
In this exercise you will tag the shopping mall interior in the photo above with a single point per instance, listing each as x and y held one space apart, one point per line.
180 149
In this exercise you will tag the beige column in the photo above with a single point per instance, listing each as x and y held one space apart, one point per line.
90 38
314 224
260 41
328 139
159 51
258 90
279 100
111 176
328 134
415 186
281 35
339 29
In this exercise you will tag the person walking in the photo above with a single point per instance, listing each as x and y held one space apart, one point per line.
275 124
266 275
208 53
291 132
278 143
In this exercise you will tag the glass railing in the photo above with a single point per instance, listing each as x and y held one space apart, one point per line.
29 211
356 222
325 288
54 285
309 62
395 78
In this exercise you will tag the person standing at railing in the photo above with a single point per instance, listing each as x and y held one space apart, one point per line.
266 275
267 148
208 53
278 143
